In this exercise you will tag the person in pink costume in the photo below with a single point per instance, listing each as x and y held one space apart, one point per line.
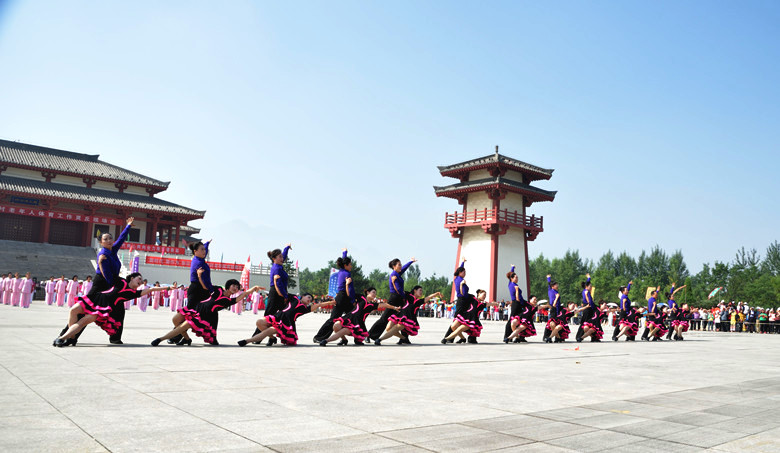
86 286
49 288
61 289
17 290
173 296
156 297
28 287
143 301
73 290
3 285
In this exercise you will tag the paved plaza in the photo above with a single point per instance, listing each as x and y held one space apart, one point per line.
715 392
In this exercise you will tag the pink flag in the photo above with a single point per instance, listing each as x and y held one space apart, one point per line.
245 273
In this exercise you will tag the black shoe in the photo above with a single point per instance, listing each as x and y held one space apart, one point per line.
401 341
175 339
184 342
557 340
473 340
70 342
271 341
359 343
681 338
645 339
614 338
519 339
343 342
595 340
506 340
451 340
443 341
115 341
405 341
242 343
214 343
377 342
461 341
522 340
324 343
59 342
156 342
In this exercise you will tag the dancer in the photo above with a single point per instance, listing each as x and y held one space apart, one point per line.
680 324
106 274
345 299
100 309
277 294
173 297
354 324
73 290
203 320
592 326
282 323
659 325
403 324
143 301
652 314
625 304
473 328
629 326
554 300
674 310
516 309
465 307
49 289
200 287
397 296
587 301
27 291
561 331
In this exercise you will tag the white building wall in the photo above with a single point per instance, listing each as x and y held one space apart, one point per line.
511 250
476 248
25 174
478 200
512 202
479 174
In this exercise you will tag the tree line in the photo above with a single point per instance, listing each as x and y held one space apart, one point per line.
749 277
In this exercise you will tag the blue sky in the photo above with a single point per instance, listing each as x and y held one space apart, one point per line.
322 123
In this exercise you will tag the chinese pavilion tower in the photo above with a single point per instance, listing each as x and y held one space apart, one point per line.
493 228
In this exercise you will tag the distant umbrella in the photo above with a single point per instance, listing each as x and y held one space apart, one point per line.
612 305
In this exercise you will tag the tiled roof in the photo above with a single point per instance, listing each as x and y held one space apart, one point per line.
479 184
84 165
51 190
497 159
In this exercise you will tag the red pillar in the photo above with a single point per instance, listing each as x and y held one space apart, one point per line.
45 230
493 265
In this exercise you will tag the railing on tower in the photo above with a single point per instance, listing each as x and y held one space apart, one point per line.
480 216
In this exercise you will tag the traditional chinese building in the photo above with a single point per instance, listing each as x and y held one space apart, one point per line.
493 228
61 197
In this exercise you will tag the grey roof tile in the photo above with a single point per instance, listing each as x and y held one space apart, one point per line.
84 194
78 164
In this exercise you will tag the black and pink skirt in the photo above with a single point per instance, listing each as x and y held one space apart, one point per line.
410 326
598 334
662 330
355 330
468 322
286 333
564 332
681 322
103 315
200 327
633 328
530 329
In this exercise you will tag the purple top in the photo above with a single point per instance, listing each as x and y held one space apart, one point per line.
625 302
515 293
277 269
112 265
461 288
196 264
399 282
587 298
551 293
341 285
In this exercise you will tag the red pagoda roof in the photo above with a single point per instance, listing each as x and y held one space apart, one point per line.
32 157
498 183
499 164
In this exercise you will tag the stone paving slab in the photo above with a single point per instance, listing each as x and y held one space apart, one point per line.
530 397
